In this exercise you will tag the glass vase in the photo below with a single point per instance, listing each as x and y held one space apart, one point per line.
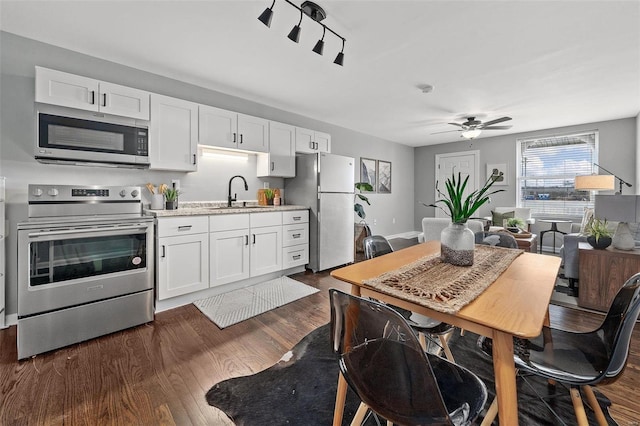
457 244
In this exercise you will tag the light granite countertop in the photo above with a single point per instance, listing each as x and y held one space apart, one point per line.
199 208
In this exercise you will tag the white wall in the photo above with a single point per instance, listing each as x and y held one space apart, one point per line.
618 142
19 56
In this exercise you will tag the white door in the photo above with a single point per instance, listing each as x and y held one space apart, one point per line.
323 141
218 127
465 163
254 133
124 101
266 250
64 89
337 173
229 256
282 149
173 134
183 265
335 221
305 141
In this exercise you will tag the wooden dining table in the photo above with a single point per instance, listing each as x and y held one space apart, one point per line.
515 304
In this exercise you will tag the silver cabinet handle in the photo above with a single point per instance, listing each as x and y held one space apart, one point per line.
297 217
164 254
184 227
311 145
296 257
296 235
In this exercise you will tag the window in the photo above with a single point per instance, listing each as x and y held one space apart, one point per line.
547 167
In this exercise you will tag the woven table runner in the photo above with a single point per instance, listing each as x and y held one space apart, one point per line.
444 287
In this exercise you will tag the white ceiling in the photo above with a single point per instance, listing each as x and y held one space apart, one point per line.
545 63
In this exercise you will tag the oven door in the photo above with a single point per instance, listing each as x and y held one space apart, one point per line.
63 267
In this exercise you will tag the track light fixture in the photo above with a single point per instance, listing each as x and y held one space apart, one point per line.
317 14
265 17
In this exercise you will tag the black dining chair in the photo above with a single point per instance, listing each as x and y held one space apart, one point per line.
580 359
383 362
377 245
496 239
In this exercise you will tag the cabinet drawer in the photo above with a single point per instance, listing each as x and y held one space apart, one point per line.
295 256
183 225
296 216
228 222
265 219
295 234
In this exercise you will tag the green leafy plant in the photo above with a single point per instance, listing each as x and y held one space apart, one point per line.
515 222
269 193
357 207
456 205
597 228
171 194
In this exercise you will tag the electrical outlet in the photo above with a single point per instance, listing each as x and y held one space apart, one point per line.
265 185
375 221
393 220
175 183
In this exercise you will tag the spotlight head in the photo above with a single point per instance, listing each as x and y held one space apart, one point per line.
265 17
294 35
339 59
319 47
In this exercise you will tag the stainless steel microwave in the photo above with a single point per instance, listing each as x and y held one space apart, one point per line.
79 137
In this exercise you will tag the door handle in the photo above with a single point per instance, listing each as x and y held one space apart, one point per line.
93 97
311 145
194 159
234 137
296 235
104 99
184 227
297 217
240 137
254 238
164 254
246 240
296 257
273 164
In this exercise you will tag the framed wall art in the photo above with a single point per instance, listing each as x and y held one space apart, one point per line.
368 172
384 177
500 172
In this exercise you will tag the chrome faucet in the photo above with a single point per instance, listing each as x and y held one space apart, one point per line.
235 196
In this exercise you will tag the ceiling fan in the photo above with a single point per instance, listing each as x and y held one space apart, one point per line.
472 128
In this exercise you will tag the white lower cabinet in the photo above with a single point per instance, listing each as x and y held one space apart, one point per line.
266 255
182 256
229 248
295 240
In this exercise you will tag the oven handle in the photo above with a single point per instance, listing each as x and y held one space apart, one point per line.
100 230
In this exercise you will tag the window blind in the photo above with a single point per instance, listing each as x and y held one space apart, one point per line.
547 168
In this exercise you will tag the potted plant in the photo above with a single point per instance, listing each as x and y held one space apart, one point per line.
457 240
598 233
361 229
515 224
171 198
269 194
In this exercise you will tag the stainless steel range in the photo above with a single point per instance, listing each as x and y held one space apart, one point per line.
85 265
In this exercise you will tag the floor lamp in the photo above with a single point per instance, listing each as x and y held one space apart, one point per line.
622 209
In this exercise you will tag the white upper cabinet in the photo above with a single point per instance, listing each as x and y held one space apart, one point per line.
74 91
227 129
310 141
281 159
173 134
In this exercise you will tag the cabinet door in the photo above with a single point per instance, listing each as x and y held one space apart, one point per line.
64 89
266 250
217 127
254 133
323 141
229 252
281 159
183 265
305 141
124 101
173 139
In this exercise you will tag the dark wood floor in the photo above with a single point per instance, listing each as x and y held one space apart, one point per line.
157 374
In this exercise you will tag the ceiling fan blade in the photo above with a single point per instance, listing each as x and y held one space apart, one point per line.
446 131
496 128
496 121
456 124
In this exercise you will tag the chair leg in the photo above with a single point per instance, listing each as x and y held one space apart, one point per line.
423 341
578 407
595 406
359 416
492 412
445 345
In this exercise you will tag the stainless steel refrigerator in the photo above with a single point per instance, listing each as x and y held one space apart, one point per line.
325 183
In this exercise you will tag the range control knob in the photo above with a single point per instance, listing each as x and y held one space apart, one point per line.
123 193
134 193
53 192
37 192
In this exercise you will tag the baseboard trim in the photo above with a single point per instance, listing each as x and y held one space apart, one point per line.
409 234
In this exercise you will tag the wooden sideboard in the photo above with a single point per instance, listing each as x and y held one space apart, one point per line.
602 273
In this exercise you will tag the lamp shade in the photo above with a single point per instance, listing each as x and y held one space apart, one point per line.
470 134
265 17
595 182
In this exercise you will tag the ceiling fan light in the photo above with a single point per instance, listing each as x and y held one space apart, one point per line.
265 17
471 133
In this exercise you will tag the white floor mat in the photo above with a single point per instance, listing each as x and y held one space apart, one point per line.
230 308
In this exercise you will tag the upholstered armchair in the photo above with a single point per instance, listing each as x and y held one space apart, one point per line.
569 250
500 213
433 226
